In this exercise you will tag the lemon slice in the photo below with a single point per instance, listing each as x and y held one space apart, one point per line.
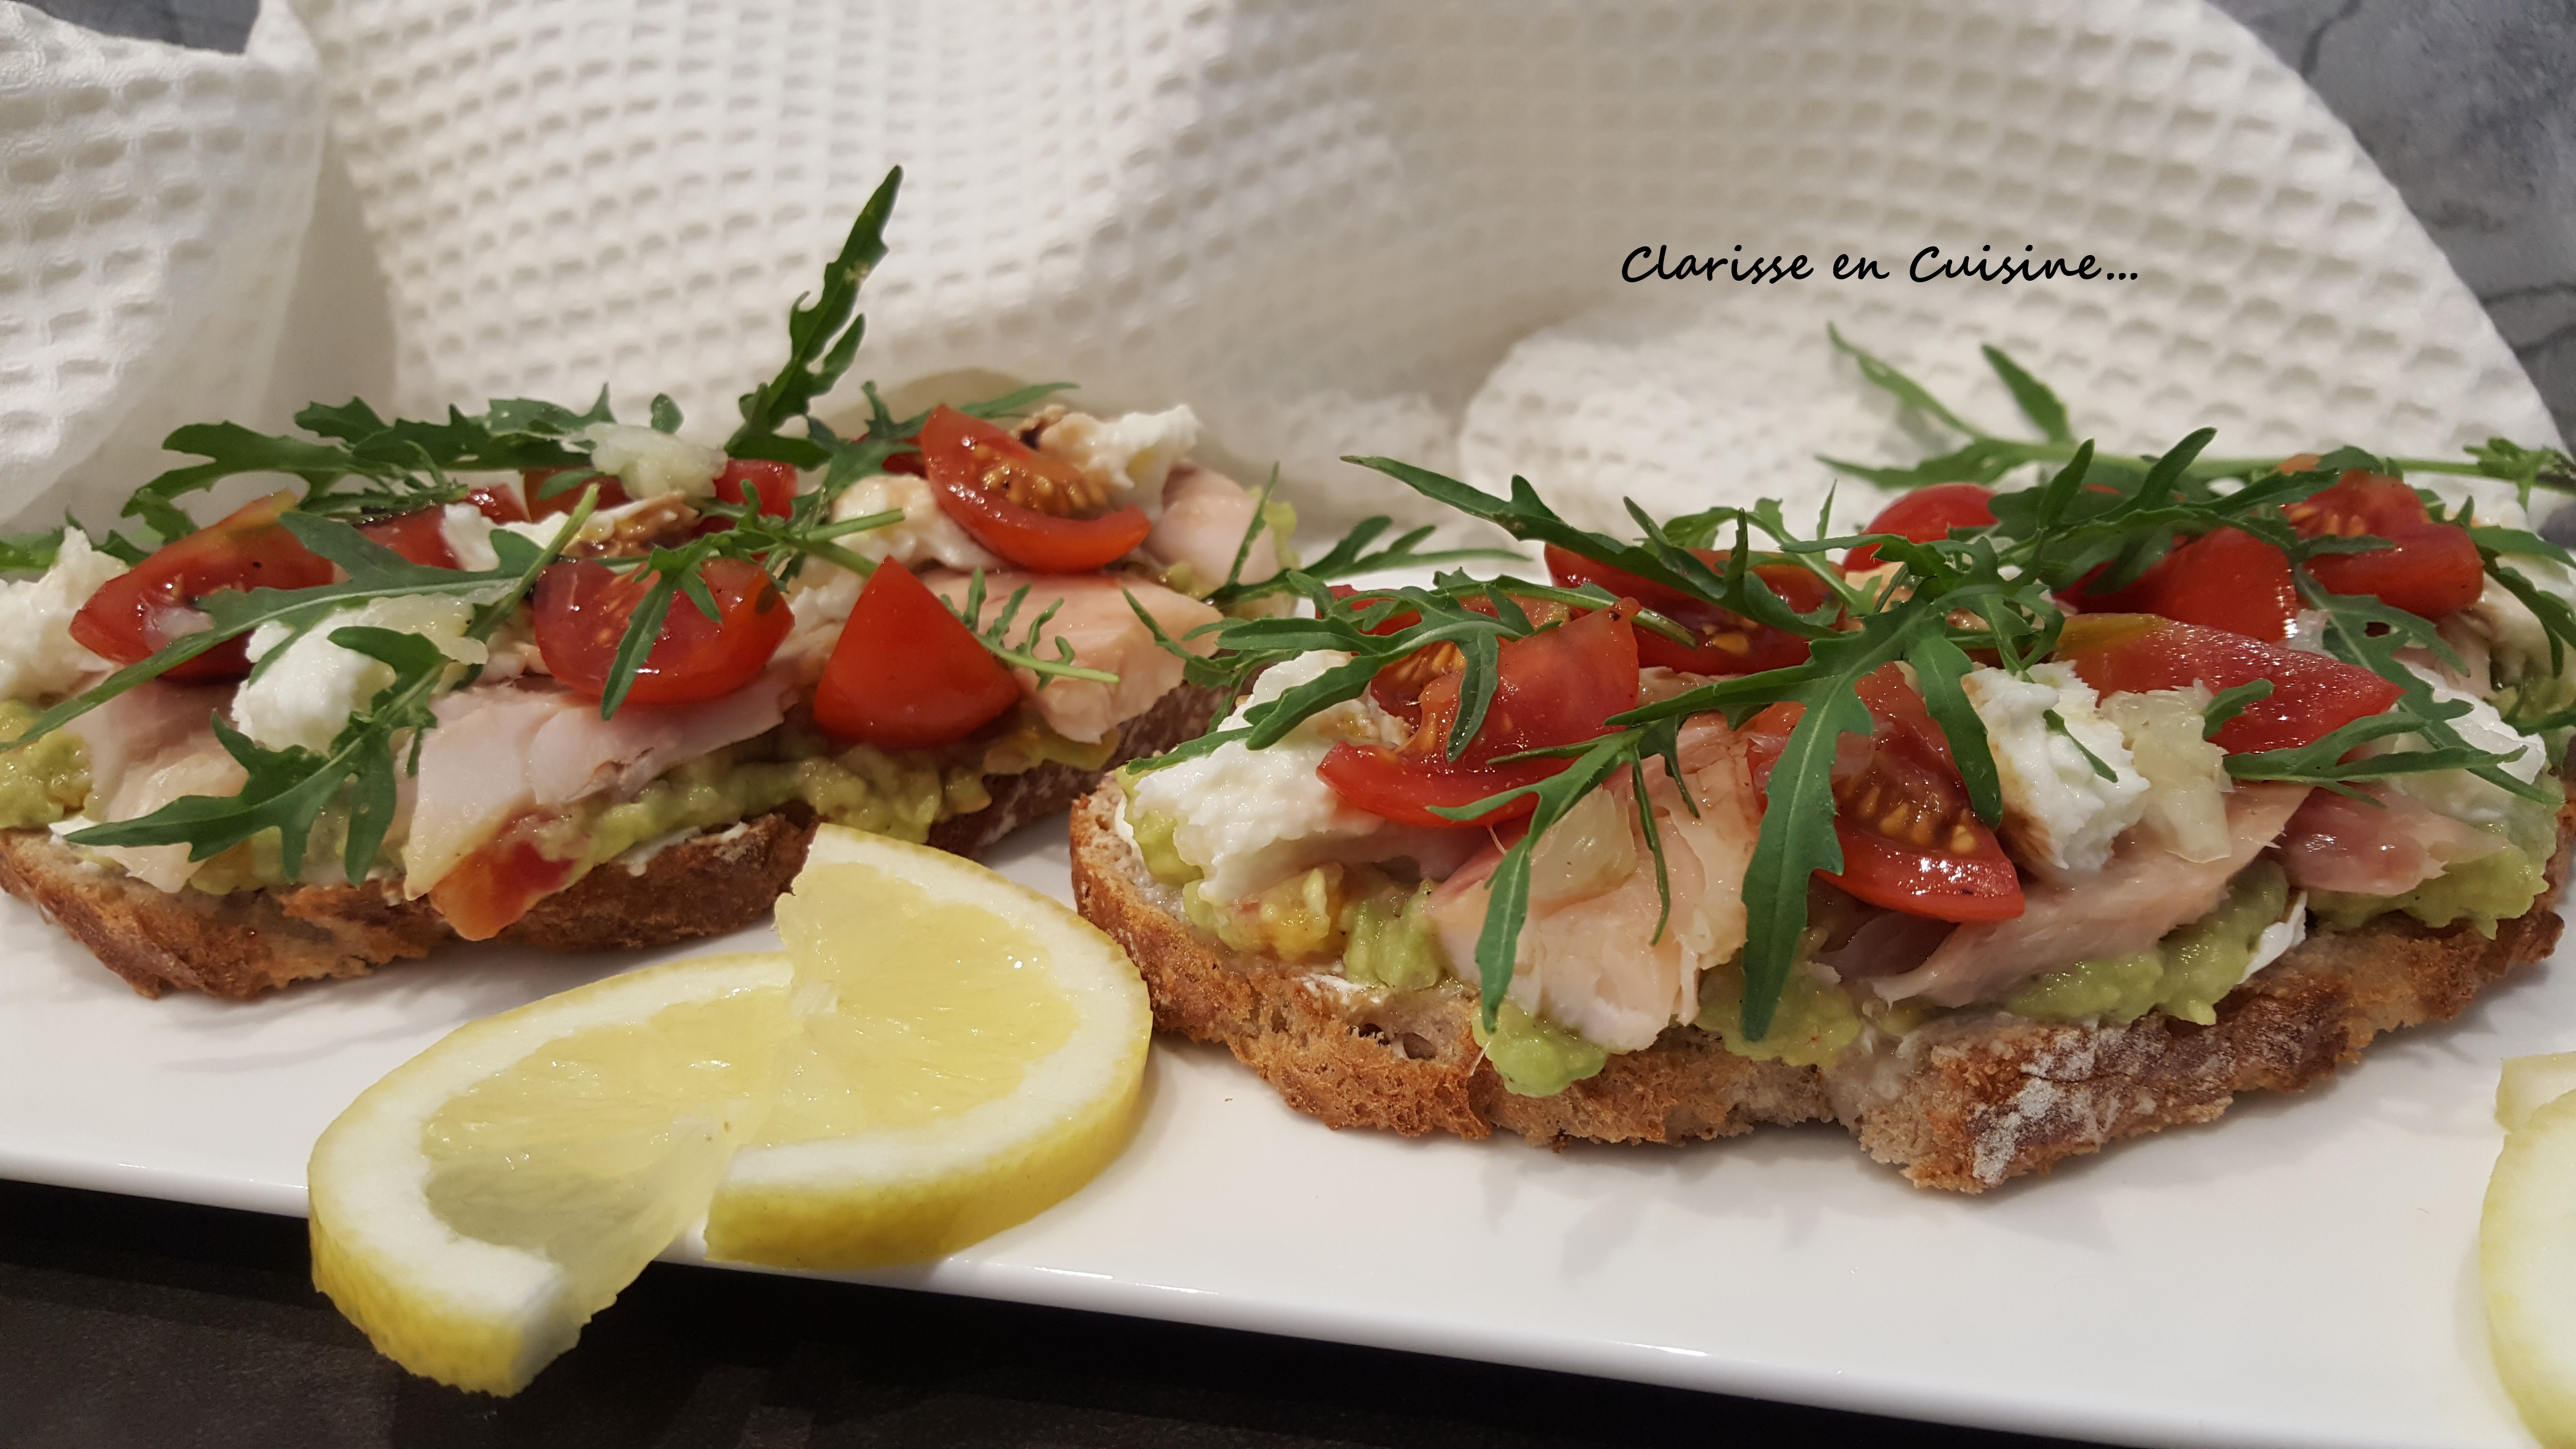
2531 1083
980 1057
472 1210
2527 1243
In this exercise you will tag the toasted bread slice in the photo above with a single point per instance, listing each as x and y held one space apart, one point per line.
1965 1105
247 942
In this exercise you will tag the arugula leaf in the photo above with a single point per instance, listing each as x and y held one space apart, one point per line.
1014 403
1910 395
821 341
2037 403
996 636
2228 703
30 553
1350 555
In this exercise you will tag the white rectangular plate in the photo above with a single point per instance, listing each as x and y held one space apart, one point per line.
2302 1273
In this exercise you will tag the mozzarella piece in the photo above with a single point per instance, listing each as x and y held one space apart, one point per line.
37 655
1250 818
469 537
926 533
2059 815
301 698
652 464
1133 452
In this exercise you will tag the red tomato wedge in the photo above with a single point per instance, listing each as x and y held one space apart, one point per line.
581 613
976 470
1924 515
1728 642
419 536
2429 568
491 889
134 614
2222 580
1910 843
1552 688
906 674
773 483
2311 693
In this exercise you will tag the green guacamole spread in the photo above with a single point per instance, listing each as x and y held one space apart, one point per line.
43 782
1810 1027
2185 976
1392 943
1534 1056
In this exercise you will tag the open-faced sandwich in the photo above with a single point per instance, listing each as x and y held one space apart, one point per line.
2027 820
541 675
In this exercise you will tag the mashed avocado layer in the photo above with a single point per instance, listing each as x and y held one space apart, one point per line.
2187 973
43 782
1534 1056
1810 1027
2497 886
1392 942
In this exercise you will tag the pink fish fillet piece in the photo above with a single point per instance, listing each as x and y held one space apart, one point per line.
1096 619
2143 893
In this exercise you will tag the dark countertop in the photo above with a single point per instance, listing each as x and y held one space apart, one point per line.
125 1321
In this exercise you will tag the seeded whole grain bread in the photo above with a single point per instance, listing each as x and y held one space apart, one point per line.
246 942
1965 1105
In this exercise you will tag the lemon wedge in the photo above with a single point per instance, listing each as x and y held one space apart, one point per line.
938 1055
473 1209
2527 1244
972 1053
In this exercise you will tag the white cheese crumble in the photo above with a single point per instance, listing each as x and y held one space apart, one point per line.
652 464
2457 793
469 537
2060 816
303 697
37 655
1250 818
1129 453
926 533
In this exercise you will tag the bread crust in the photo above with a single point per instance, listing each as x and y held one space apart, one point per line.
1964 1106
244 943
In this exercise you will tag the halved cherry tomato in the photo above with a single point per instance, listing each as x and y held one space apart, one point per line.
132 615
906 675
774 483
2225 579
1398 687
1910 843
1396 786
1729 643
612 494
581 613
976 470
2429 568
2311 693
1555 687
420 536
1924 515
492 888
